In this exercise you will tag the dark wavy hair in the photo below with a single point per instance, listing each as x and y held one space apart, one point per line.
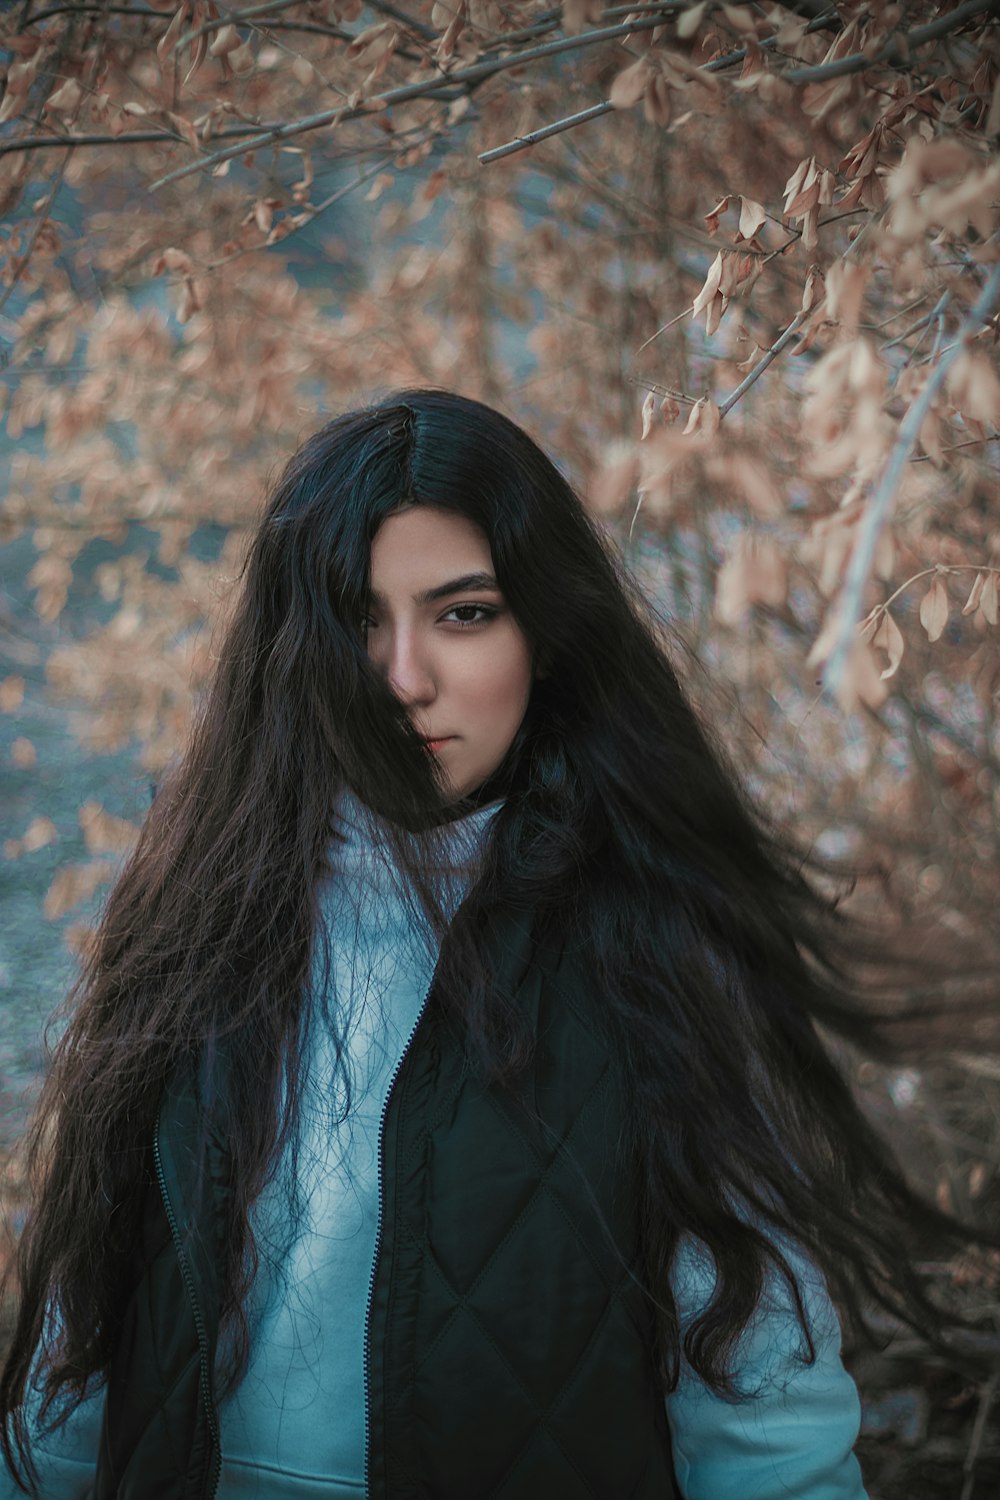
719 962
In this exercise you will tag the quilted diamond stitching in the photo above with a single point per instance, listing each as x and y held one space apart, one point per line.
541 1186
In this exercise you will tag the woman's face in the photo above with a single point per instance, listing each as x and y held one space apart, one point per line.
440 630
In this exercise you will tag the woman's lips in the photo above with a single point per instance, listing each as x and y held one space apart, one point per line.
435 745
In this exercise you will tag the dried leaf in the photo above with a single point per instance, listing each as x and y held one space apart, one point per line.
648 413
752 218
972 603
66 98
689 20
39 833
103 833
889 637
704 418
72 884
988 599
710 288
11 694
225 41
934 610
629 85
616 479
715 214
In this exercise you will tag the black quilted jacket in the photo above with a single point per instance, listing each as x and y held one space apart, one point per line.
508 1348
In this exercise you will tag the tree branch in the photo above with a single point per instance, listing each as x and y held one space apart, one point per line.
427 88
522 142
847 610
232 18
714 65
895 51
766 358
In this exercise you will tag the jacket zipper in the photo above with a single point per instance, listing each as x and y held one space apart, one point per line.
199 1322
379 1226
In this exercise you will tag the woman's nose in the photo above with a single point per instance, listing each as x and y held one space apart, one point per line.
408 671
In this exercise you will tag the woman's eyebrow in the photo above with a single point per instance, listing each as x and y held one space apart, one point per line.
453 586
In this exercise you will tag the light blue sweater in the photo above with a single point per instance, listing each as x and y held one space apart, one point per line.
295 1427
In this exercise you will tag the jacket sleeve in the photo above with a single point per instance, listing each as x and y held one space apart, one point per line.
65 1456
791 1431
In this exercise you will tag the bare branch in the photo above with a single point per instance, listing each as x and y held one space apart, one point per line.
232 18
766 358
426 89
714 65
21 264
895 51
847 610
522 142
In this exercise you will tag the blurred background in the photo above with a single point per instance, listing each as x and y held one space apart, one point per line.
735 266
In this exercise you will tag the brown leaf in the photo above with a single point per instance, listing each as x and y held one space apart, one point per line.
889 637
23 754
616 479
629 85
715 214
103 833
752 218
648 413
988 599
11 694
704 418
39 833
972 603
72 884
689 20
934 610
708 291
65 100
225 41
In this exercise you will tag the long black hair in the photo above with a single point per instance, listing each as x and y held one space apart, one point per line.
719 963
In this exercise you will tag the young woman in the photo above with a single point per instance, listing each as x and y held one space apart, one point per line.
443 1112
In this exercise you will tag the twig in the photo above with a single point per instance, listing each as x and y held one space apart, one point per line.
894 51
987 1395
313 210
847 610
852 64
127 138
521 142
474 74
766 358
41 219
385 8
232 18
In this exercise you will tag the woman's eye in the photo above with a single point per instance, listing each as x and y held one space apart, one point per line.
470 614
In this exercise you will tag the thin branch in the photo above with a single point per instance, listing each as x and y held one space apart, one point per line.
312 211
21 263
162 137
714 65
766 358
521 142
144 12
853 64
895 51
847 609
469 76
232 18
385 8
94 10
987 1395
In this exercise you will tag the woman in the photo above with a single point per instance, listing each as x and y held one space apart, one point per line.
444 1088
